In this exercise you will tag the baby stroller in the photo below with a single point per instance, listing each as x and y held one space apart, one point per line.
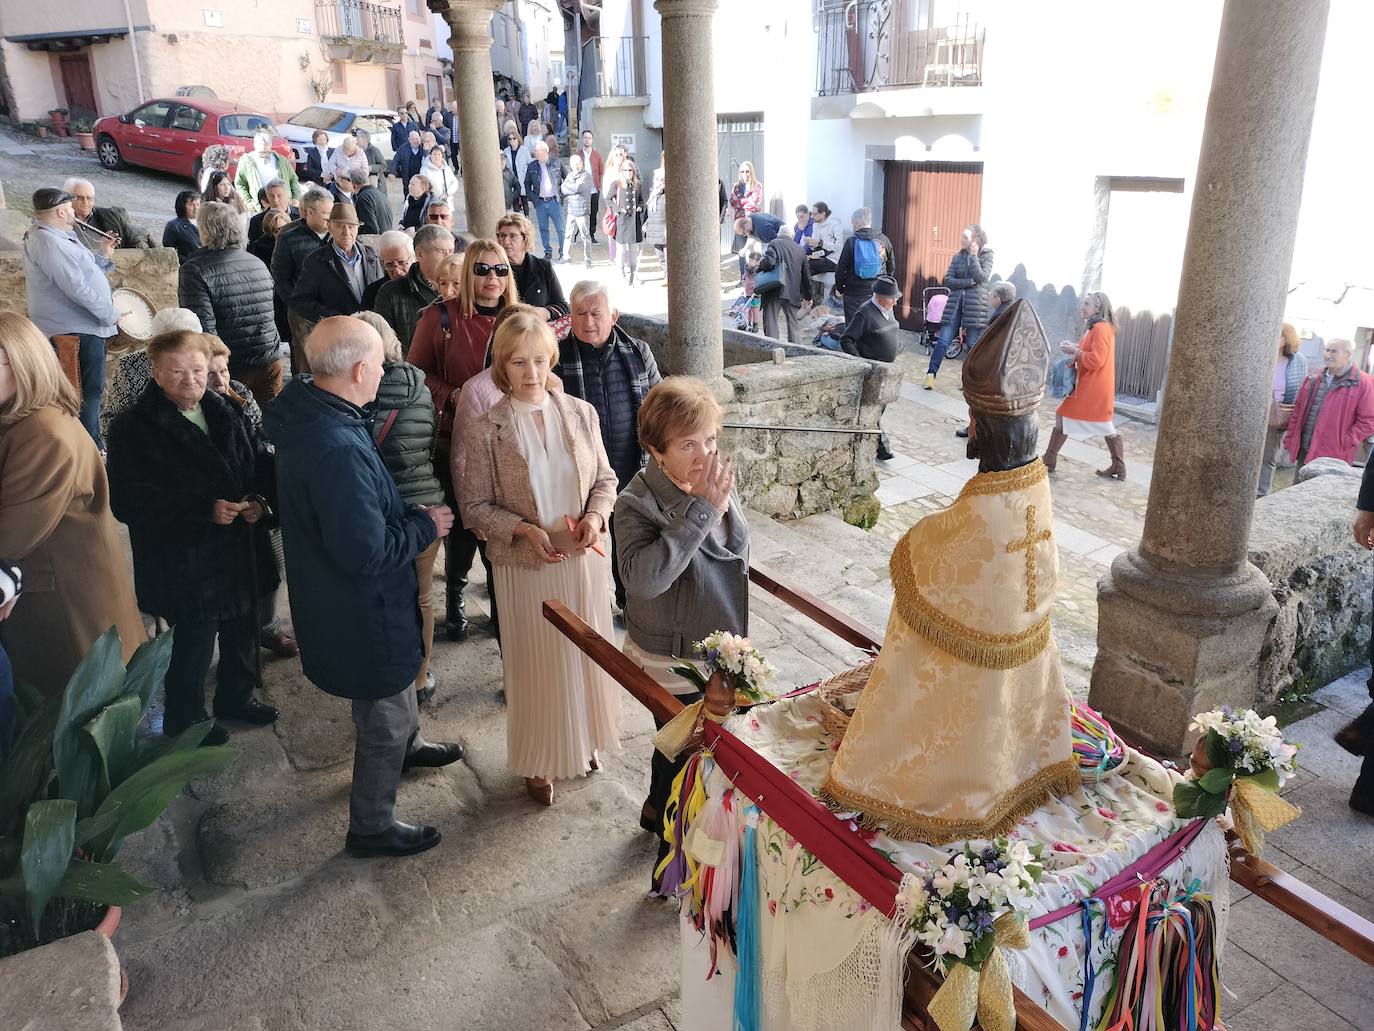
933 300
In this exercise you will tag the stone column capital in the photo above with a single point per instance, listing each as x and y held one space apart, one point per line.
469 23
685 8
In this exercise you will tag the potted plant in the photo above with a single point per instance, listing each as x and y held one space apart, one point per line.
41 131
81 129
76 783
59 120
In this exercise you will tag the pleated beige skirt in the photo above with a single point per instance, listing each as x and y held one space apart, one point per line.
560 706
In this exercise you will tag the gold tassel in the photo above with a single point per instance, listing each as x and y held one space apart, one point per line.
1257 811
678 732
985 993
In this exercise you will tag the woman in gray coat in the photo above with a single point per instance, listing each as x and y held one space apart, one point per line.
967 308
683 549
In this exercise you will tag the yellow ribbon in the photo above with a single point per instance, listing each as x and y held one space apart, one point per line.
985 993
1256 811
677 732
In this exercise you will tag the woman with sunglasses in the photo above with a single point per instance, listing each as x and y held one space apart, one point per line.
450 347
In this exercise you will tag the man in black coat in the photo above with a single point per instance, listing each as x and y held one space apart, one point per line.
872 332
795 291
374 210
351 546
407 160
335 277
295 243
400 300
1357 737
849 284
275 197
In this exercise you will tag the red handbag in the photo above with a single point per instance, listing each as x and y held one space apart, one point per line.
608 222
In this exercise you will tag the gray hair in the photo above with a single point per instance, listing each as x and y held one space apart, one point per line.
315 196
586 288
510 126
70 185
1002 292
174 320
348 350
274 184
541 144
427 236
362 134
862 218
391 343
358 176
219 226
396 238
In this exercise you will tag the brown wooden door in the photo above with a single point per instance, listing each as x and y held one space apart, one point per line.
926 205
78 84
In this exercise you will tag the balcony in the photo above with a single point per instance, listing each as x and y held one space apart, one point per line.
866 46
613 69
359 31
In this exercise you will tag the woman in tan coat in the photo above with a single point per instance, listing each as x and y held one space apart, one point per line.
55 521
537 485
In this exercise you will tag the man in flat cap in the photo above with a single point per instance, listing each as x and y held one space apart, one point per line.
334 278
68 295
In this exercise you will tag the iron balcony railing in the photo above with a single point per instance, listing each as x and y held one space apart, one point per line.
613 66
358 19
868 45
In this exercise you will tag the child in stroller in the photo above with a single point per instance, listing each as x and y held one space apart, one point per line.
747 308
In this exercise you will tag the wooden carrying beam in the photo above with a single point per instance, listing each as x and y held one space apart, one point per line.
859 634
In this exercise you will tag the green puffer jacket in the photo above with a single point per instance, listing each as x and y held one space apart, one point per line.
409 442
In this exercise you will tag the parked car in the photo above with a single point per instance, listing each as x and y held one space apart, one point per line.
339 120
172 134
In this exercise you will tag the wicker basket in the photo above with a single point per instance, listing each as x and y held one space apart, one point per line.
835 691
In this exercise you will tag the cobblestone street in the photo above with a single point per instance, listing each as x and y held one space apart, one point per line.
531 919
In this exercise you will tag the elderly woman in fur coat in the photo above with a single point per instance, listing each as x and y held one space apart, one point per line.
188 474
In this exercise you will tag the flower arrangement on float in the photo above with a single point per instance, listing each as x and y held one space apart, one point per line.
1242 759
733 661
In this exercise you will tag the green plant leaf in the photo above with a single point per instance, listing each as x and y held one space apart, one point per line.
691 673
1267 779
102 883
188 740
148 668
96 683
1215 780
1217 752
93 827
49 837
112 731
28 768
1191 801
145 794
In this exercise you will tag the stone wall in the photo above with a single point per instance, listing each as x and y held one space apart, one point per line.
152 273
1300 539
786 473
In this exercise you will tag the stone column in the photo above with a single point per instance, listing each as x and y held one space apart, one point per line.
469 24
1183 617
689 140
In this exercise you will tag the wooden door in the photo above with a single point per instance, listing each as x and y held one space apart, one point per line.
739 138
79 85
926 205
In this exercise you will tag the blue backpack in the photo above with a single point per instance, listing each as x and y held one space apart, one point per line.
868 258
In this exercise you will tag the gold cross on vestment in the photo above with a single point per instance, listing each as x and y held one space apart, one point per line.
1027 544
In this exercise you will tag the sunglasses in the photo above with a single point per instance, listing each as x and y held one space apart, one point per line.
481 269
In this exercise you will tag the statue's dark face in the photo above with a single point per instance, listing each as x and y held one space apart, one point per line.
1000 443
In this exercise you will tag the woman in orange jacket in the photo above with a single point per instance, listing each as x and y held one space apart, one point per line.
1088 410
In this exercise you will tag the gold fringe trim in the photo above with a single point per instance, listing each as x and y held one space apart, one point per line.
908 825
1006 481
976 647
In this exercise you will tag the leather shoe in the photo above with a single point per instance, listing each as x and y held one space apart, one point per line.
961 432
1350 738
432 753
540 789
279 643
400 839
253 711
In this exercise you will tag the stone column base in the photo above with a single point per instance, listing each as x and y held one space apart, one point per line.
1169 647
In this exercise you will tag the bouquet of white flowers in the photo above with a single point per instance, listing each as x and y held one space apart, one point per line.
1236 746
737 661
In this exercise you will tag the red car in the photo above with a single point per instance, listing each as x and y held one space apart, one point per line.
171 135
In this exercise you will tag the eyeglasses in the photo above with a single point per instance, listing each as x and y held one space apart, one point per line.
395 264
481 269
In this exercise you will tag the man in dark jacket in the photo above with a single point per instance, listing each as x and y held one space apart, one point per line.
408 159
544 188
400 300
760 225
335 277
612 371
351 545
872 332
276 196
849 283
103 220
791 297
374 210
295 243
231 293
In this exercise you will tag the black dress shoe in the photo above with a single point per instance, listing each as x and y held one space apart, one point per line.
253 711
432 753
457 631
400 839
961 432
